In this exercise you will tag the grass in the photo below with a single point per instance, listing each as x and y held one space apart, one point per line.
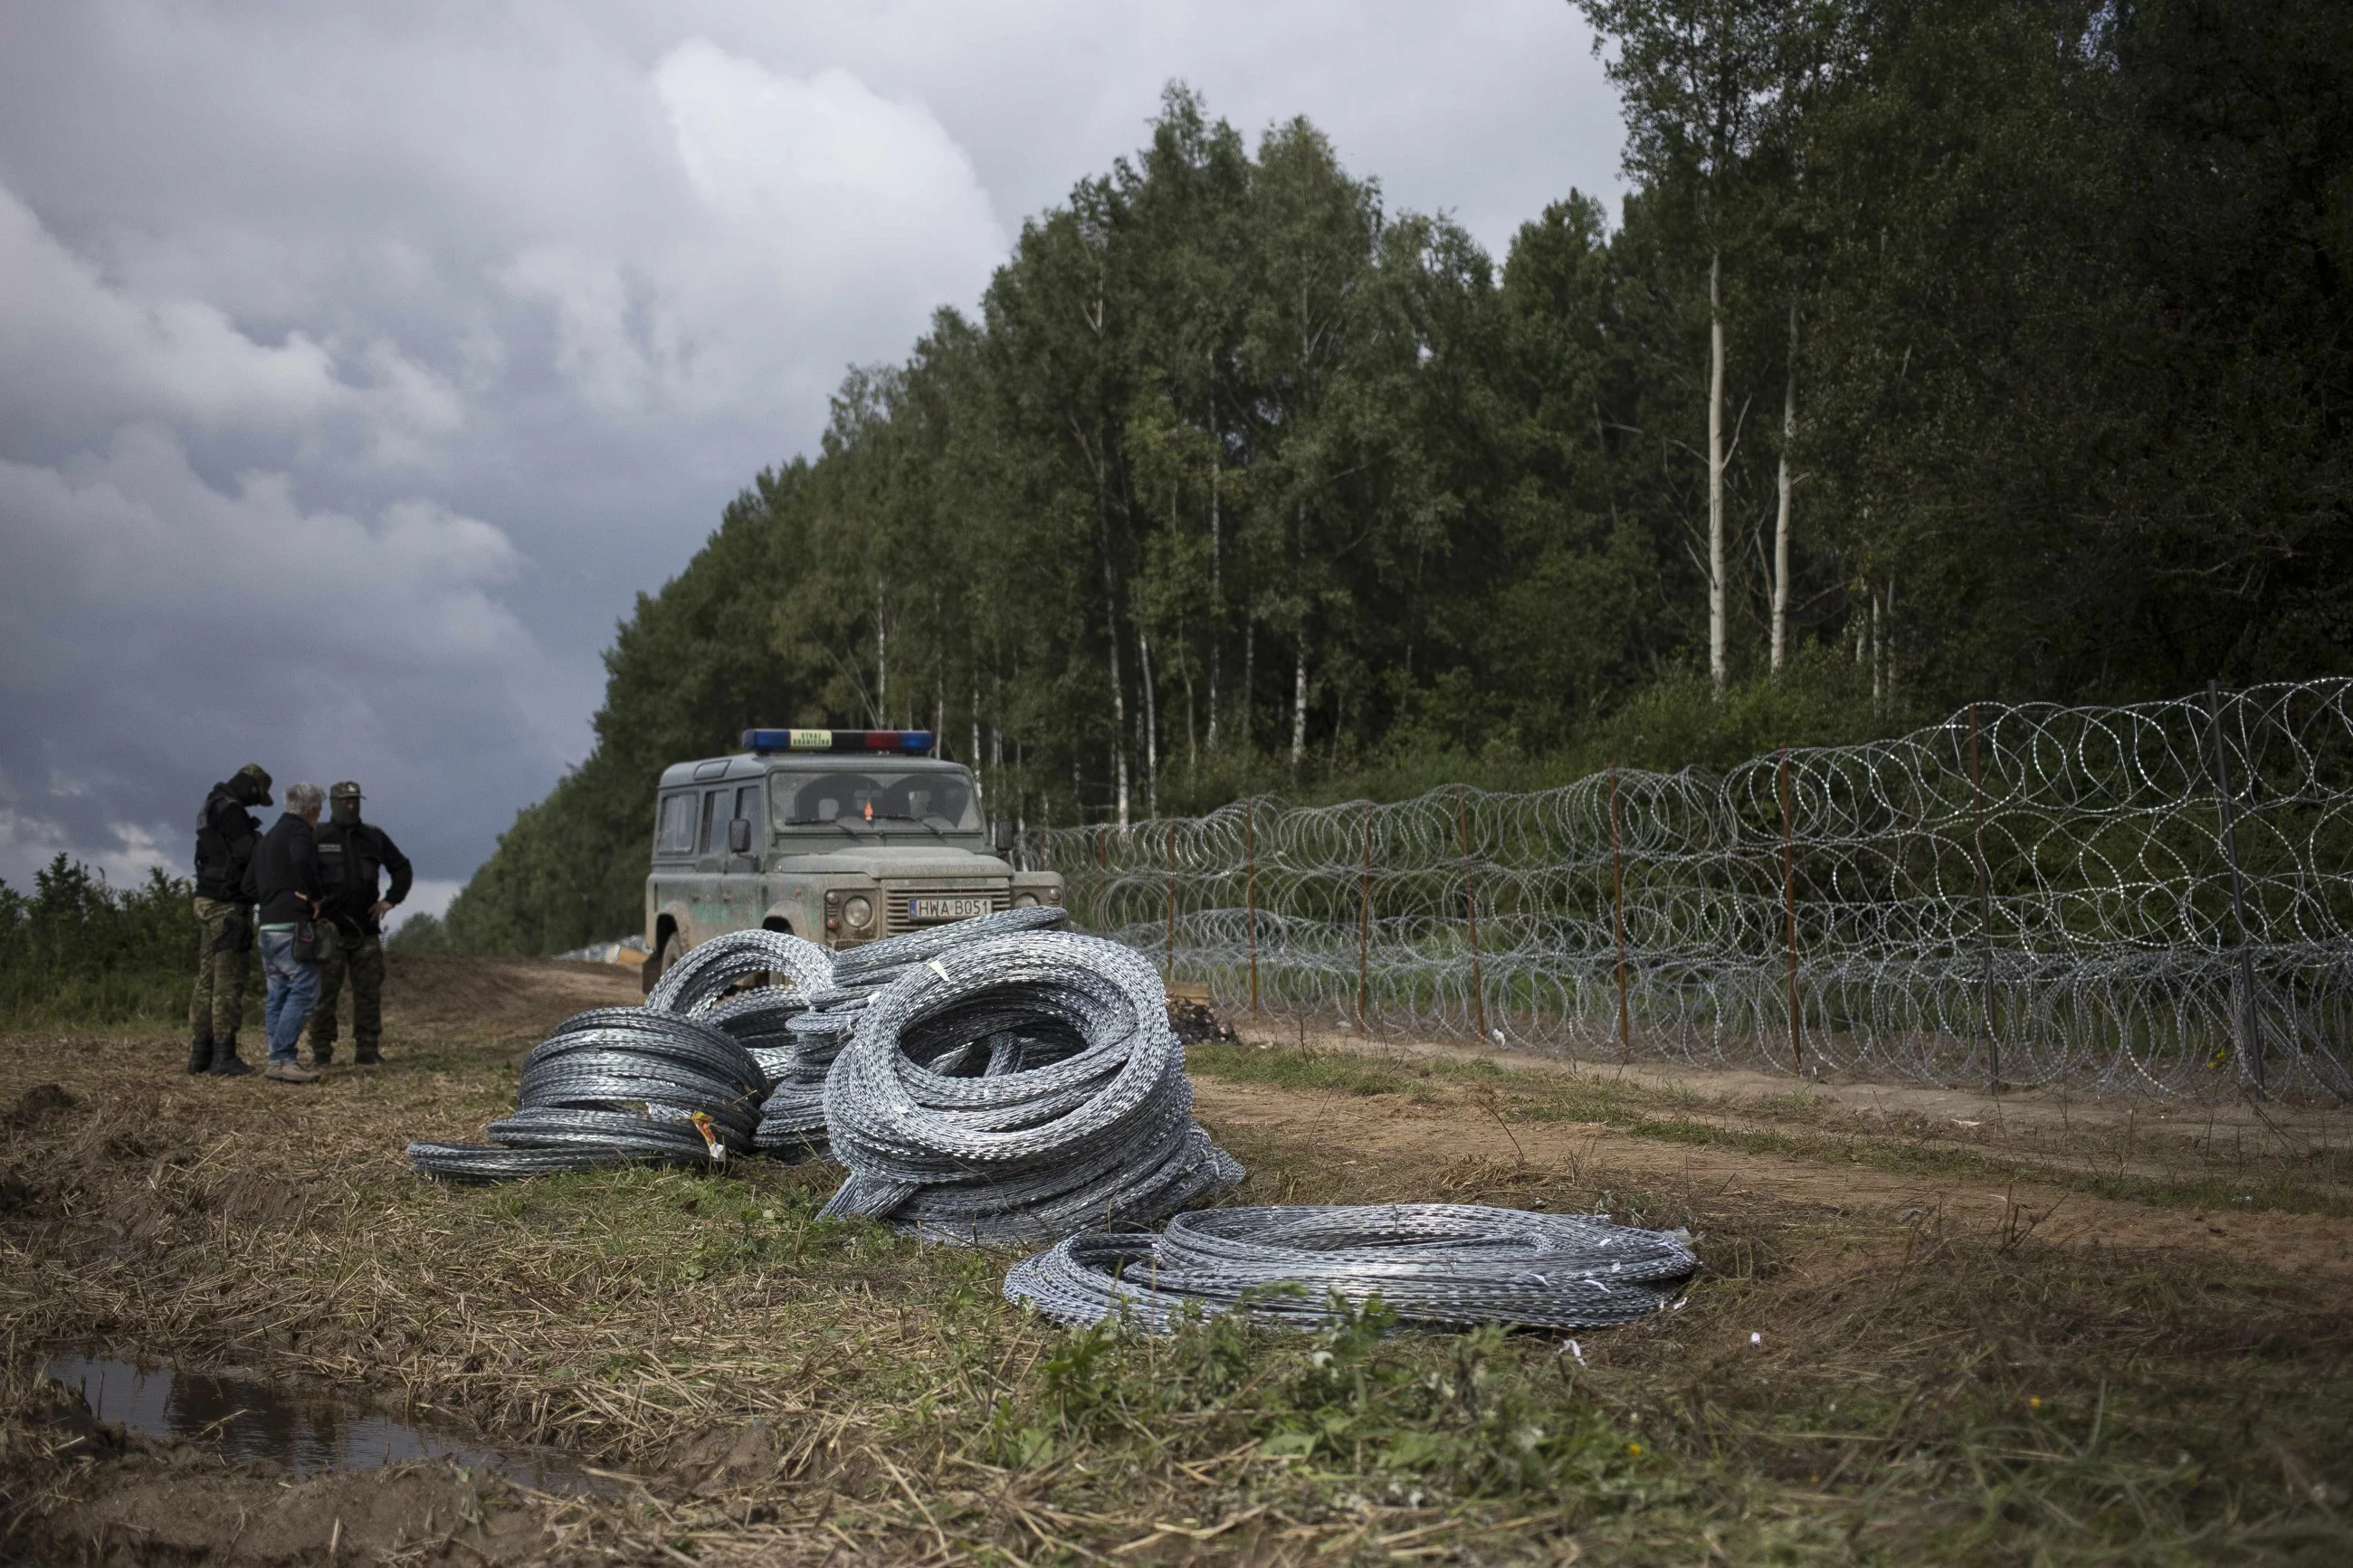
2298 1178
785 1387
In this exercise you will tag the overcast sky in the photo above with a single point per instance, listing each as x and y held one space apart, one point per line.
359 364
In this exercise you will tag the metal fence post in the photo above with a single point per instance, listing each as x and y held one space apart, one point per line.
1617 920
1789 908
1365 917
1985 910
1250 893
1471 910
2249 1041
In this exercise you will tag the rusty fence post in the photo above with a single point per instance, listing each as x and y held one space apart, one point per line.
1168 964
2249 1039
1789 909
1250 891
1365 917
1618 920
1471 910
1984 910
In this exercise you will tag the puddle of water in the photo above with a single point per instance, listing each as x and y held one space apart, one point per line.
249 1420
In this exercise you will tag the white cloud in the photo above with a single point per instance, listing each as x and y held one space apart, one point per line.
813 201
152 622
126 853
77 348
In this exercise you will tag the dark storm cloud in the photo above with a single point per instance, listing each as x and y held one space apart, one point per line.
357 363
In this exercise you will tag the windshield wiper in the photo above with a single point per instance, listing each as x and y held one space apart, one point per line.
926 827
820 822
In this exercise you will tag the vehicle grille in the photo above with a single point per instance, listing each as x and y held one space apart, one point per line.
897 915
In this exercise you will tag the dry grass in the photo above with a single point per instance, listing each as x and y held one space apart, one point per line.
783 1388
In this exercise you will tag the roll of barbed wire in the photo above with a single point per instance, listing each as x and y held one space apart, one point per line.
1435 1264
1017 1089
877 964
700 976
757 1021
792 1121
615 1085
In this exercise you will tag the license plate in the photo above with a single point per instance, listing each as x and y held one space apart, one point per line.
935 909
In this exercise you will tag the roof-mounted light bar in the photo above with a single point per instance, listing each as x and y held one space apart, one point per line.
904 742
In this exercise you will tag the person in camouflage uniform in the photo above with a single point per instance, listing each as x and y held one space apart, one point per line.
352 854
227 834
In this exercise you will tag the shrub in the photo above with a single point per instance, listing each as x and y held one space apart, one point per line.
80 951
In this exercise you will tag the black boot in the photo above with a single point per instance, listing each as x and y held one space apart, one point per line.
200 1053
225 1059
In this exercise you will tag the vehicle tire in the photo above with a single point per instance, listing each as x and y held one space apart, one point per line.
649 973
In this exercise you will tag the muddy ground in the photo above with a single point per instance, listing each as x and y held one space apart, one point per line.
2059 1330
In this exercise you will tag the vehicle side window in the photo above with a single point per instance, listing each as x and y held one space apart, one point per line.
674 829
710 812
747 805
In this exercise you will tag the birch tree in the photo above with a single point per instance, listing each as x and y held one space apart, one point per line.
1698 77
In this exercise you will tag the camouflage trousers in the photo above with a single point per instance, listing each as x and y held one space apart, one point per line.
224 956
360 957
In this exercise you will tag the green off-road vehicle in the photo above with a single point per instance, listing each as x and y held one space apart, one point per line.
840 835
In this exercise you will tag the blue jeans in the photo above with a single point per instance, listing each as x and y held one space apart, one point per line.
293 988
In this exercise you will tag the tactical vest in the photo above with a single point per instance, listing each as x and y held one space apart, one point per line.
220 860
350 861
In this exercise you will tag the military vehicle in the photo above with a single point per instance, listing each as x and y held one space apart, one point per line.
840 835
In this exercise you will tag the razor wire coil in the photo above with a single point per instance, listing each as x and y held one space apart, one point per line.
1018 1088
1435 1264
684 1078
2155 898
615 1085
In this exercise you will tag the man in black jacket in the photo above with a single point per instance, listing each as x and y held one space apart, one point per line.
352 854
227 833
284 881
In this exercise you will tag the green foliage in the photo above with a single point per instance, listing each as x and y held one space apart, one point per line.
1240 481
421 933
79 950
1469 1413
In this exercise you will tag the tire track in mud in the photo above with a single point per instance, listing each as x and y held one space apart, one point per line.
1395 1129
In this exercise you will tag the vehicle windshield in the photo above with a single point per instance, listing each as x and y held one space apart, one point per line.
862 802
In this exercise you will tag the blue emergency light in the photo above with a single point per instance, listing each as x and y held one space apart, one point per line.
908 741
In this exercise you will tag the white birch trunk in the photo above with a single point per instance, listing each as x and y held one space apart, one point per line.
881 663
1299 704
1118 724
1151 725
1716 629
1787 485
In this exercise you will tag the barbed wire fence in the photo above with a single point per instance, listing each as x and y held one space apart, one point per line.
2155 897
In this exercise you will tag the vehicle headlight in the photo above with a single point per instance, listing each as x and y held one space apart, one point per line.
858 912
1025 900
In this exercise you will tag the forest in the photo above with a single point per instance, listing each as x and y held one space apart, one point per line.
1941 351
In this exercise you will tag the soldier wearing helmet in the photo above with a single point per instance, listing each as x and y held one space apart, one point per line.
226 835
352 855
